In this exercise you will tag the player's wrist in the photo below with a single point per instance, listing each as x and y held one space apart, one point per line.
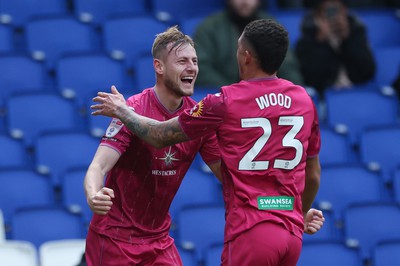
122 111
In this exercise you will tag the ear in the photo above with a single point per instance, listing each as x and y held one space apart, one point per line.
158 66
248 57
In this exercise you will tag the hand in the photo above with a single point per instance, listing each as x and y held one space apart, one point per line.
340 26
109 103
100 203
313 221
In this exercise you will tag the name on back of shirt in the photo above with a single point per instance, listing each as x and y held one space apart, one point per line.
273 99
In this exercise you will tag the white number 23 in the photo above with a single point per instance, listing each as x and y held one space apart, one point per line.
248 163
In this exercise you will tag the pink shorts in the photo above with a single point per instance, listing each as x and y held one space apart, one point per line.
266 244
104 251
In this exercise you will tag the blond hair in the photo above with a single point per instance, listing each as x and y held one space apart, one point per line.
171 35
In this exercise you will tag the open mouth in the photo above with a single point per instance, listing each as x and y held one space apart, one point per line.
187 80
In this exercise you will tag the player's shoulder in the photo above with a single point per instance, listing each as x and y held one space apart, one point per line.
295 88
188 102
139 97
232 88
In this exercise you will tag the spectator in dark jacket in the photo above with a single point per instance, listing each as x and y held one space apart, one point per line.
333 50
216 45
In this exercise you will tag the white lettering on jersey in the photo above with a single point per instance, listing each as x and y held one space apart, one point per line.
114 127
272 99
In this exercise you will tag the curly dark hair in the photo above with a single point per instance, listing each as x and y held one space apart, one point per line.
270 42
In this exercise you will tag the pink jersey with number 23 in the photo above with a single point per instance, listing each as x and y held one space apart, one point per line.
266 129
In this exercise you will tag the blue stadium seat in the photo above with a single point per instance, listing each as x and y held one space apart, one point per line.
82 75
291 20
213 255
368 224
328 232
328 254
121 37
387 253
335 196
30 115
19 12
50 38
197 188
58 152
188 258
189 25
380 150
6 39
20 73
13 153
176 10
98 125
23 188
396 185
383 27
335 148
144 72
73 194
98 11
42 224
388 64
355 110
200 93
200 227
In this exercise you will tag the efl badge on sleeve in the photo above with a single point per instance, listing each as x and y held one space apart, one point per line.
114 127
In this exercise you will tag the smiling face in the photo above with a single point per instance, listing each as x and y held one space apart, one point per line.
180 69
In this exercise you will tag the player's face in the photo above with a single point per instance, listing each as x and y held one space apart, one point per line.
245 8
181 70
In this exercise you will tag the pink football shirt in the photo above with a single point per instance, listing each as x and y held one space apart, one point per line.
266 129
145 179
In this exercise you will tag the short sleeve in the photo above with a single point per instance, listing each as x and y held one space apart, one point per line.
117 136
314 142
209 150
205 117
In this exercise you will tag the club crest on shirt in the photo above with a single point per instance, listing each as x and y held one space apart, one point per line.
169 157
197 110
114 127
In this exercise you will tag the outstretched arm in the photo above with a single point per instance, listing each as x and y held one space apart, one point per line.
156 133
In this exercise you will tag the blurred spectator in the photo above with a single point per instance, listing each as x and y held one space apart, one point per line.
333 50
216 45
290 4
360 3
396 84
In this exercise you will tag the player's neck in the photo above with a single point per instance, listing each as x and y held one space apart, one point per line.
169 100
256 74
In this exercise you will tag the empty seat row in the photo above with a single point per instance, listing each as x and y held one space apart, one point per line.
54 153
19 12
65 252
335 253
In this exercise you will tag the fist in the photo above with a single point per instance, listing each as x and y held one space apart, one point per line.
313 221
101 202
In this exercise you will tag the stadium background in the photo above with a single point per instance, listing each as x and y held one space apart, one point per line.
54 57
